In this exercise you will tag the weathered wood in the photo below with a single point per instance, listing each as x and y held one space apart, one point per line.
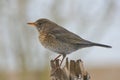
73 70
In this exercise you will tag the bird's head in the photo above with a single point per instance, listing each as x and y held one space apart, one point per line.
39 23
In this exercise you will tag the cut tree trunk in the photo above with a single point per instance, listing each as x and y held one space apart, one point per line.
73 70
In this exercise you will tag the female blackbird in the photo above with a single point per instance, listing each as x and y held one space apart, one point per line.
58 39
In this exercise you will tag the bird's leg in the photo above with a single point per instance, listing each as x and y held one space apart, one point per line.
62 59
56 57
60 63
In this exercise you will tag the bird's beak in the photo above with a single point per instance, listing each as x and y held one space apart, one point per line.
32 24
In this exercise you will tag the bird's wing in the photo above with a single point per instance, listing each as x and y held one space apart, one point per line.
66 36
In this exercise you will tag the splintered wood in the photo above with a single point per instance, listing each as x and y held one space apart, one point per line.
73 70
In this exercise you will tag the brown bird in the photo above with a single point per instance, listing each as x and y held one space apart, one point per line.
58 39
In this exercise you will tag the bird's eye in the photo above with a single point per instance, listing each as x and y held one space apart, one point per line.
40 23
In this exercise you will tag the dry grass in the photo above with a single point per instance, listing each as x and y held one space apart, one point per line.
104 73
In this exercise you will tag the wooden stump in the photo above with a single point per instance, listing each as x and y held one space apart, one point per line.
73 70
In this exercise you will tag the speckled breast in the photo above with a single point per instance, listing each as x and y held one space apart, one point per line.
51 43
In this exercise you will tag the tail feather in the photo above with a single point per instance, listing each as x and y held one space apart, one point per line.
101 45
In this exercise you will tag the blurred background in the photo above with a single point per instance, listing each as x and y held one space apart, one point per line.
23 58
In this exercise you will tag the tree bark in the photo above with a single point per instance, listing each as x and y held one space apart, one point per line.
73 70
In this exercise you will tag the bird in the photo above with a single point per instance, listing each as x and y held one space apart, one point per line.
60 40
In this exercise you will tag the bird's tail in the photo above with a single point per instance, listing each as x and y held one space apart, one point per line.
101 45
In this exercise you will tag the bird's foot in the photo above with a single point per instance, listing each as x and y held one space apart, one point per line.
56 58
